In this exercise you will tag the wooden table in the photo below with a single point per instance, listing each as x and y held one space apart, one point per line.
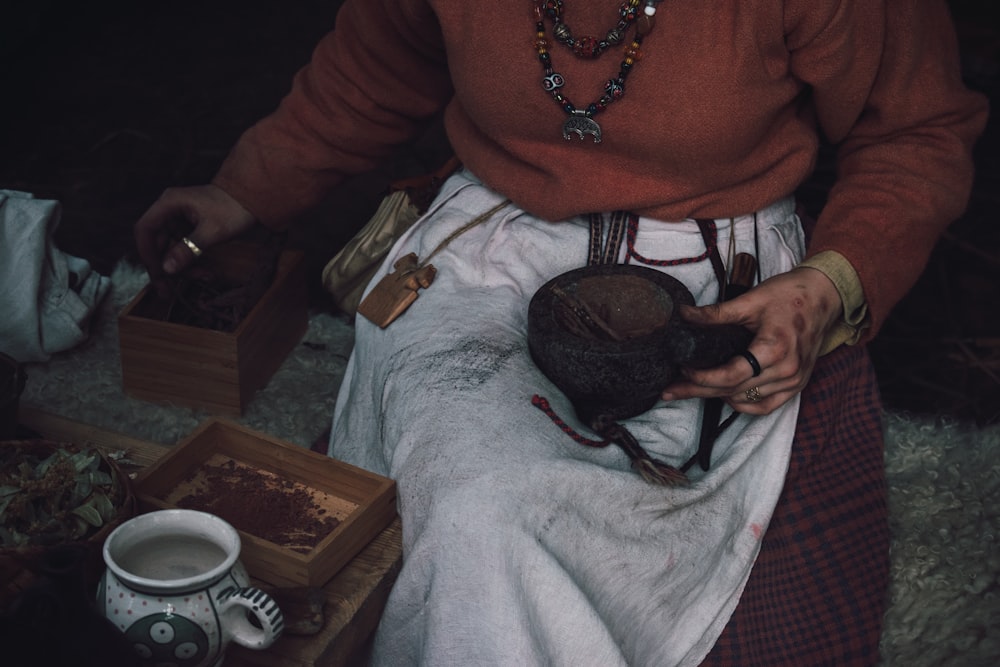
355 596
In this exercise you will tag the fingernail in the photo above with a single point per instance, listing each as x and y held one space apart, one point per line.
170 265
667 396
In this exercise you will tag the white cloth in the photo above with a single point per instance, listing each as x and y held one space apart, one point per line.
521 546
47 297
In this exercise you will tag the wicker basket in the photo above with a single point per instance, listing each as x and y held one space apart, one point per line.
21 566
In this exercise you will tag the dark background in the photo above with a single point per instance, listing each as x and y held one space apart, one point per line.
104 104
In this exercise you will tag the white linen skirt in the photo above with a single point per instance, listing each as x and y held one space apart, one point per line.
521 546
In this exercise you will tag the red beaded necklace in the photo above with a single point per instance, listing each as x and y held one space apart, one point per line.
581 121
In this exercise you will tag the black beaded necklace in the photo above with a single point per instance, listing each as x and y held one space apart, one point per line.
581 121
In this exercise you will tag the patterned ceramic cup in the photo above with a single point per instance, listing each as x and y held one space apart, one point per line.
175 586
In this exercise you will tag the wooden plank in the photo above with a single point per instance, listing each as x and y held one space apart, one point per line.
355 597
281 322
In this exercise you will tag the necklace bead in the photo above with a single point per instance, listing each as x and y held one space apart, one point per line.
587 46
581 122
645 25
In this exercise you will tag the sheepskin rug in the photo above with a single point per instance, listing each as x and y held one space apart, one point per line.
944 476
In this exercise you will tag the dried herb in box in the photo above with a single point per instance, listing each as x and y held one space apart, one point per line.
204 298
53 493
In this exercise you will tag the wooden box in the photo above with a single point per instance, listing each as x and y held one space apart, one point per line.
362 502
204 368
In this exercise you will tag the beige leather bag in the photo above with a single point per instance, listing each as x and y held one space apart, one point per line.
349 272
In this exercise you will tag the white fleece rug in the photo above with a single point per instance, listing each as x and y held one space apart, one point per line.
944 476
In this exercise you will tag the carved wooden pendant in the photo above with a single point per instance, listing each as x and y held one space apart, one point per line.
394 293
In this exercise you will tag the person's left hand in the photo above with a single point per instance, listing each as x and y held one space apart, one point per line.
790 314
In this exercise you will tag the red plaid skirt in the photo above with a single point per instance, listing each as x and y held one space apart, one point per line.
817 593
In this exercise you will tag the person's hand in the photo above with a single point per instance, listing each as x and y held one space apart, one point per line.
204 215
790 314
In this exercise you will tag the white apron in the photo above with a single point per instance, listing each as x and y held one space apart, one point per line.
521 546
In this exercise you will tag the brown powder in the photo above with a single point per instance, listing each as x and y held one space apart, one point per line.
259 503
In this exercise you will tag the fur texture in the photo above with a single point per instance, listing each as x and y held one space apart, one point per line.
944 476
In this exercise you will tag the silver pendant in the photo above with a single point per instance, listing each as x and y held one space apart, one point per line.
581 124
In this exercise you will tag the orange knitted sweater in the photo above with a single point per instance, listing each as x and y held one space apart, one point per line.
723 114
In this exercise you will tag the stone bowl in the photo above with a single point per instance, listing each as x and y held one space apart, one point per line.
611 338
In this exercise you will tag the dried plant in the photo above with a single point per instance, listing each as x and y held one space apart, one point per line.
50 495
204 298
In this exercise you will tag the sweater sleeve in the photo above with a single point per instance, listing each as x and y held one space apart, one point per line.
372 84
904 147
854 319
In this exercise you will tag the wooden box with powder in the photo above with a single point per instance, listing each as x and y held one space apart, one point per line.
302 516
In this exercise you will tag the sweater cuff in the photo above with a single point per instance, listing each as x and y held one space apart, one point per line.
855 319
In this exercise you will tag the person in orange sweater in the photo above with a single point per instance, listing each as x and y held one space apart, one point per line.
522 547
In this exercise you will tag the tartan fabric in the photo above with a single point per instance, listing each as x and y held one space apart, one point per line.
817 593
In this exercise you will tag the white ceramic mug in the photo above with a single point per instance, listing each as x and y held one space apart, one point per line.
175 586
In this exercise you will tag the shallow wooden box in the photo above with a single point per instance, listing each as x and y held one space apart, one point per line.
365 503
217 371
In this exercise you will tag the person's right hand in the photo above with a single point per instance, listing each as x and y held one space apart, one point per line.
204 214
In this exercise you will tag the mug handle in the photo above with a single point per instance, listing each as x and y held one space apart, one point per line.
236 605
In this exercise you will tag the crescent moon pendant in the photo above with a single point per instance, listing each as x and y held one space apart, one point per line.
581 125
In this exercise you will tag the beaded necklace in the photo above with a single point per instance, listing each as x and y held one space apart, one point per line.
587 46
581 121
